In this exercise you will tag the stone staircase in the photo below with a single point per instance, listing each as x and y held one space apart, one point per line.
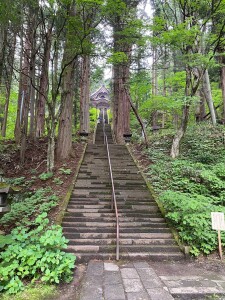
90 224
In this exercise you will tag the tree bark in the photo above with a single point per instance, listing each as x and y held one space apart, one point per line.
44 86
222 79
137 116
9 83
26 95
64 142
85 95
154 73
206 88
32 86
121 105
175 148
3 42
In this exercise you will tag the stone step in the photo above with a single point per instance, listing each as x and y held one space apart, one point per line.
85 257
107 235
105 210
123 241
128 216
126 248
90 223
99 223
73 206
113 218
70 228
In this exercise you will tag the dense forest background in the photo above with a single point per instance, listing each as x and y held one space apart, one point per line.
166 60
164 65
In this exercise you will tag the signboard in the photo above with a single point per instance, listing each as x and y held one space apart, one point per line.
218 222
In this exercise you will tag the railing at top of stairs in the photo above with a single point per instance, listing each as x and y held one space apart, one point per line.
113 201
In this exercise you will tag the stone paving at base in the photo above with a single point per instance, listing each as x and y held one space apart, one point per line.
109 280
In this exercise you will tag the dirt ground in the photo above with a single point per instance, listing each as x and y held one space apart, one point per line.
36 164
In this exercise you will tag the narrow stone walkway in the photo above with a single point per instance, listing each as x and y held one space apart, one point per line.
142 280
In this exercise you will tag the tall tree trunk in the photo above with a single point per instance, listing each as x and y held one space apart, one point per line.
44 85
206 88
85 95
200 109
64 142
139 119
3 42
222 79
9 83
20 101
33 84
175 148
51 126
121 104
76 98
154 73
25 94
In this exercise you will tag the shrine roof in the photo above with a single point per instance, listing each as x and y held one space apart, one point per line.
101 90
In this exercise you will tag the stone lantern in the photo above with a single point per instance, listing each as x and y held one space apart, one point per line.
127 137
4 203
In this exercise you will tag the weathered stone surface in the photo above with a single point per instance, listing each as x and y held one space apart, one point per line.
159 294
112 278
129 273
95 268
141 265
138 296
132 285
114 292
111 267
92 288
196 290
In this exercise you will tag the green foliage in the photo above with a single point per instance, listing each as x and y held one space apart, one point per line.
12 110
34 292
5 240
94 113
65 171
46 176
192 186
191 215
205 144
118 58
16 181
27 206
37 255
57 181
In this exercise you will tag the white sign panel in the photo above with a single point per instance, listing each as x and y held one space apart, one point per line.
218 222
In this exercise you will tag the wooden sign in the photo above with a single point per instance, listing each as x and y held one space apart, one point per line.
218 221
218 224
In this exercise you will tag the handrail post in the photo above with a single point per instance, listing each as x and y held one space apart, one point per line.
113 200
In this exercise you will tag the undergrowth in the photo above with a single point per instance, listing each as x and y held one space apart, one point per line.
25 207
35 254
192 186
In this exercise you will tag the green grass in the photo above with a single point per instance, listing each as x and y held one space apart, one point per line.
37 292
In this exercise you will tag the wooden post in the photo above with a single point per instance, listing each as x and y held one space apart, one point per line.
220 245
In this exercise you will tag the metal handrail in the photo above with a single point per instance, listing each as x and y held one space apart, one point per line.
113 201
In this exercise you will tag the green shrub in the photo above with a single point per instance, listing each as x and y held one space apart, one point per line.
35 255
46 176
65 171
16 181
31 205
57 181
191 215
192 186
